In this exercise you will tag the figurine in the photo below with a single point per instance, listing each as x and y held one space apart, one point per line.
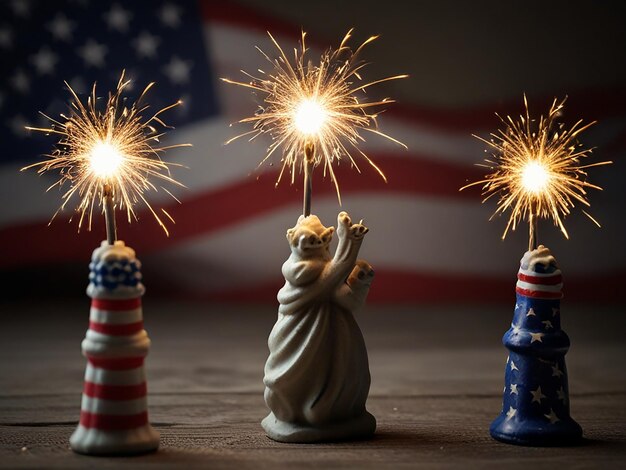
535 407
114 411
317 375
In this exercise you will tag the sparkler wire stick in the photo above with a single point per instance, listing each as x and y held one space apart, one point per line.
309 155
532 231
109 214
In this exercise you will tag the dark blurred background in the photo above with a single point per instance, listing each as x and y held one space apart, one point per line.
428 242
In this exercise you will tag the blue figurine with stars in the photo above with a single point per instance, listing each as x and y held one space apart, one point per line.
535 409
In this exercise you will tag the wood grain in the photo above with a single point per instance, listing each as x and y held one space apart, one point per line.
437 377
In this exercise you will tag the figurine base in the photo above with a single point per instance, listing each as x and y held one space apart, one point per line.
91 441
281 431
539 434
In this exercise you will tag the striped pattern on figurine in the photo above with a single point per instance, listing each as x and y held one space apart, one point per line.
114 408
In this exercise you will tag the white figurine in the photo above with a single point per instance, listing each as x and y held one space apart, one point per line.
317 375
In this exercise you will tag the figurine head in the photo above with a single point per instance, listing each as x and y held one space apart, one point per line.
539 260
309 238
115 272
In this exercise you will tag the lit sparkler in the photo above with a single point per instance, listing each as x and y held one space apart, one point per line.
315 112
537 171
107 155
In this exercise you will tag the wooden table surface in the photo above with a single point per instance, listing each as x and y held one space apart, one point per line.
437 377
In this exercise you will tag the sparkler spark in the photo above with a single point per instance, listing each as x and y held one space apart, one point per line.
108 151
537 170
317 105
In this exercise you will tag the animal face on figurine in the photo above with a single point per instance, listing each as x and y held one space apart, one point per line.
309 238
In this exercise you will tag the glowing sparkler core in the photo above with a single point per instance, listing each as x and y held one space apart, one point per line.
106 153
309 117
535 177
537 171
320 107
105 160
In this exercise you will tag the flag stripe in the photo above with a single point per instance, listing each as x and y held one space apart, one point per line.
225 206
399 286
592 103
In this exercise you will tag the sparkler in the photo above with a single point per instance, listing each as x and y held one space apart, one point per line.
315 110
107 155
537 170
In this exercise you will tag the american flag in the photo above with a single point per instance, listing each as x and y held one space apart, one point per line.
428 242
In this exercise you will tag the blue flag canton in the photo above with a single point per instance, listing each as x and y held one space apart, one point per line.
85 41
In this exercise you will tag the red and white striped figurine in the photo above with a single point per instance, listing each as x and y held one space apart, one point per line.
114 412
